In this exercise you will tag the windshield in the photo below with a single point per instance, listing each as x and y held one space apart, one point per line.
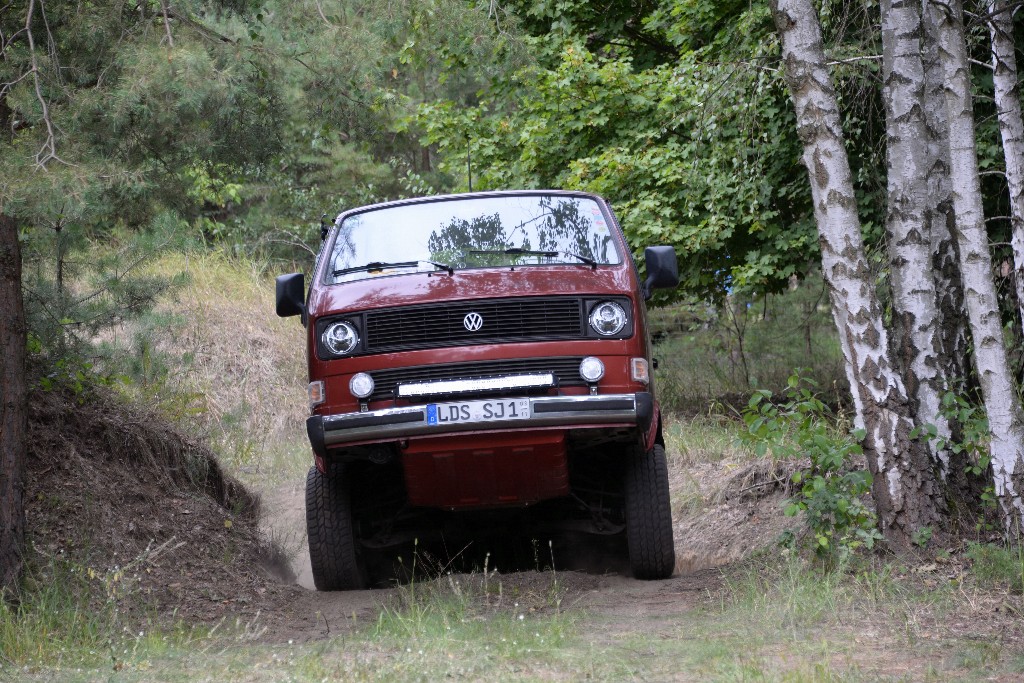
475 232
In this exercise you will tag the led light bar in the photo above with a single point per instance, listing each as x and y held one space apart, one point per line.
473 386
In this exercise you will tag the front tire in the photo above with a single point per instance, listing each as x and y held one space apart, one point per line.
333 550
652 553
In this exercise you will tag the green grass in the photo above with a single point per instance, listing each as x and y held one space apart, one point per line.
787 620
998 566
459 627
773 619
705 438
699 449
74 617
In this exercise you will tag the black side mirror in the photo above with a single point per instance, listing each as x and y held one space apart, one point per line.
291 294
662 269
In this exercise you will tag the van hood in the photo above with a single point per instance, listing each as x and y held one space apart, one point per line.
438 287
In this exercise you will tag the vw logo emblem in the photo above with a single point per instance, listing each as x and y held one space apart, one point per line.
473 321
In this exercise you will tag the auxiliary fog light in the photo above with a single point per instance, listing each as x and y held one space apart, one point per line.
639 370
591 369
361 385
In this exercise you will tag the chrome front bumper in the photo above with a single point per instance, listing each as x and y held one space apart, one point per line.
545 411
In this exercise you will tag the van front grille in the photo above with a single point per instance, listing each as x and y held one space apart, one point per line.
453 323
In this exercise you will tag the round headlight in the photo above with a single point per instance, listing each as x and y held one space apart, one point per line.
591 369
361 385
607 318
340 338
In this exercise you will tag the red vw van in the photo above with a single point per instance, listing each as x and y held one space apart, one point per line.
477 355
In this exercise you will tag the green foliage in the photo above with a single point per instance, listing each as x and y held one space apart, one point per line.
343 77
711 355
236 124
110 131
76 290
975 435
830 492
695 153
972 443
998 565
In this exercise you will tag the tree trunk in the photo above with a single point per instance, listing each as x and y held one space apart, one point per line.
14 418
949 290
906 492
963 488
1005 417
1011 127
915 324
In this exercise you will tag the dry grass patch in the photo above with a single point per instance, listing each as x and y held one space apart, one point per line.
225 366
726 501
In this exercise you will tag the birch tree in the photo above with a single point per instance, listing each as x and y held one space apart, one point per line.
1011 128
909 239
1002 405
940 217
906 493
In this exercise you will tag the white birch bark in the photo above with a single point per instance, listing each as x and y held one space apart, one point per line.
905 492
839 318
1011 127
909 236
952 323
1005 417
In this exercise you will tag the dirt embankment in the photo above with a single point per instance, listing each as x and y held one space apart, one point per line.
120 492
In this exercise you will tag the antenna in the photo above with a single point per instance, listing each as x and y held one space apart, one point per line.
469 163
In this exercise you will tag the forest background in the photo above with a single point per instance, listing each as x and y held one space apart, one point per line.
134 130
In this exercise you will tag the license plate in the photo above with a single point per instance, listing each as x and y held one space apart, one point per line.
478 411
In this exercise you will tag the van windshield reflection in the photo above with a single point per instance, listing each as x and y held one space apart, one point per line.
472 232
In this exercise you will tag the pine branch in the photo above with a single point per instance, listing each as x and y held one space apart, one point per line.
48 152
320 11
167 24
201 29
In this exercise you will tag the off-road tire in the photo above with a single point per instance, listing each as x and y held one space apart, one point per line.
652 552
333 550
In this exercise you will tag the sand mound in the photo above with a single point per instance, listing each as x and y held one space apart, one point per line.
121 494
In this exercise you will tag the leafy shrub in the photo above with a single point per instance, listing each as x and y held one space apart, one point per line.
830 492
973 445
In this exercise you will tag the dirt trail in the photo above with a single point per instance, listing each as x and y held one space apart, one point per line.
616 606
727 529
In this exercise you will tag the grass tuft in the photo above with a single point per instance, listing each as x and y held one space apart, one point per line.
998 566
68 615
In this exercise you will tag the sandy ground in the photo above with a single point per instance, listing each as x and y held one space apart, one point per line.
733 523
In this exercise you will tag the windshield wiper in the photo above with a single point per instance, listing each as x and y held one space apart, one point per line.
374 266
516 251
442 266
586 259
